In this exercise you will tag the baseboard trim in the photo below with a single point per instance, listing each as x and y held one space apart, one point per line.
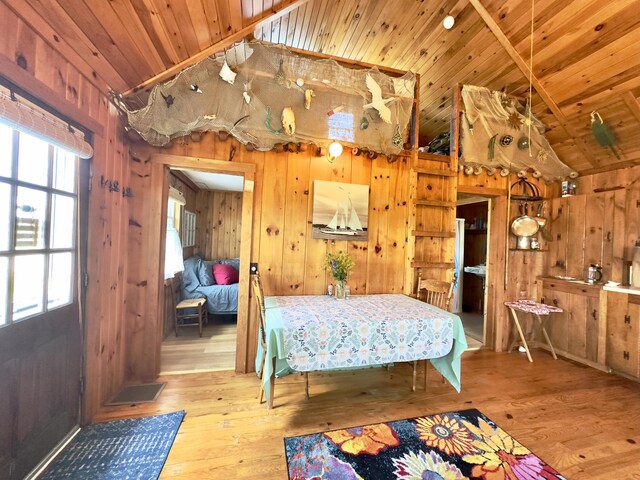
44 463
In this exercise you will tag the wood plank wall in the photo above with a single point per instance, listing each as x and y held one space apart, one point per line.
218 224
601 224
52 71
289 259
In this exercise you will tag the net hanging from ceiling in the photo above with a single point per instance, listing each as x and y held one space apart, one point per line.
495 133
322 101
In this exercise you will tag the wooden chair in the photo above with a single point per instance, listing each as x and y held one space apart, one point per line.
259 294
434 292
185 311
438 294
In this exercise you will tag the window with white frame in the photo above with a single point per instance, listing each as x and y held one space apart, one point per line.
188 229
38 204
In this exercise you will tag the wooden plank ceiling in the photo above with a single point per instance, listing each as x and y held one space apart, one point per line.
586 52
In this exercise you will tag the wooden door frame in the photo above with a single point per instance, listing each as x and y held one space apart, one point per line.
246 170
494 282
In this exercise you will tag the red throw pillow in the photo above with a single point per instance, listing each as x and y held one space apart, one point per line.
225 274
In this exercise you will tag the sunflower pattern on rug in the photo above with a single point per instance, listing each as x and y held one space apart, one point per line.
448 446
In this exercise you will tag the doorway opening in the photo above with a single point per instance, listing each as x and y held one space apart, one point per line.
472 234
202 260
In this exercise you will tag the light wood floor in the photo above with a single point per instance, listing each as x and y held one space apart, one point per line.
583 422
188 353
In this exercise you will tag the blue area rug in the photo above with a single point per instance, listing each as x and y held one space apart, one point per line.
124 449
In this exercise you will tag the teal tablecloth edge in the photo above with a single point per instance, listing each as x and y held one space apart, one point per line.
448 365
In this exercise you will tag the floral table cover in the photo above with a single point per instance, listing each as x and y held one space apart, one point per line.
332 312
321 332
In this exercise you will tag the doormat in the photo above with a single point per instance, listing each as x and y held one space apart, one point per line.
144 393
135 448
455 445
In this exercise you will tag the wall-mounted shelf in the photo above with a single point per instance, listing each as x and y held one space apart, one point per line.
528 250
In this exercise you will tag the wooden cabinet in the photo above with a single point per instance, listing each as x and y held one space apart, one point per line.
577 332
623 316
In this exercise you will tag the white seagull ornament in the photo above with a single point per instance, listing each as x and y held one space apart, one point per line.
376 100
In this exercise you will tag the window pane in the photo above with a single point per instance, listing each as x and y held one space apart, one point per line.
6 150
64 170
62 221
33 160
4 289
31 213
60 278
5 218
28 285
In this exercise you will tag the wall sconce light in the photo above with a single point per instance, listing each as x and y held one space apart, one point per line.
335 150
448 22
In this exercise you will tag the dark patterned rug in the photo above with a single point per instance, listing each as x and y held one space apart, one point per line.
135 448
447 446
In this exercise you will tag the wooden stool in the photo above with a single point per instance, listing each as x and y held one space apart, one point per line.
200 316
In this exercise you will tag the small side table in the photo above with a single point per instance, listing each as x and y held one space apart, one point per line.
537 309
200 316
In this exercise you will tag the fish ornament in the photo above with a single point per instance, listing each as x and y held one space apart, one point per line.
279 76
377 101
288 120
604 135
227 74
397 137
308 94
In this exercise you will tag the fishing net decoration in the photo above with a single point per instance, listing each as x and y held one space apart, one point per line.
273 78
494 133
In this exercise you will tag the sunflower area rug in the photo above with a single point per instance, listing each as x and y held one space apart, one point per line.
447 446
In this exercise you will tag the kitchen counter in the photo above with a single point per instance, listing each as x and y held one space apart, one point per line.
622 289
571 286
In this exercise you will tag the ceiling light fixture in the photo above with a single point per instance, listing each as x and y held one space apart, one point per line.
448 22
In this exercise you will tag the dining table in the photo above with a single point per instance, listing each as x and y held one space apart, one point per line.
307 333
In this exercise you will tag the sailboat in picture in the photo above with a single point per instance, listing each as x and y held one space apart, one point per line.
345 220
340 211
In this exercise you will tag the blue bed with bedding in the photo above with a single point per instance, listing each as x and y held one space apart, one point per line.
198 282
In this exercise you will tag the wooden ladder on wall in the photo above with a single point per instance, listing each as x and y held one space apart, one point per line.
433 195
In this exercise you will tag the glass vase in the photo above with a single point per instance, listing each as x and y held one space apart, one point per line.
340 290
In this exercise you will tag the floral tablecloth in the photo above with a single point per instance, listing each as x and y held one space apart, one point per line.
309 333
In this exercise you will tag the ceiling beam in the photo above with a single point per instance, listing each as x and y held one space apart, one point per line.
180 175
537 85
276 13
632 103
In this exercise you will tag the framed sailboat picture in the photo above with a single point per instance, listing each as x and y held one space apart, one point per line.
340 210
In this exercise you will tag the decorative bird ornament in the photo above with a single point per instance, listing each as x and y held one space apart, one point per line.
227 74
604 135
377 101
168 99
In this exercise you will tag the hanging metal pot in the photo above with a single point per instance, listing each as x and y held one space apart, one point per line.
524 225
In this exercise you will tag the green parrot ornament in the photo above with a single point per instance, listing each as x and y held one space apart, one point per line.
604 135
